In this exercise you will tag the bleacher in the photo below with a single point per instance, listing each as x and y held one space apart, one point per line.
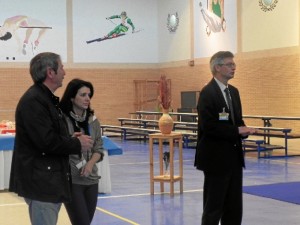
260 142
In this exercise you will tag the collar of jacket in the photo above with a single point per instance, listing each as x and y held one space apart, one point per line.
54 99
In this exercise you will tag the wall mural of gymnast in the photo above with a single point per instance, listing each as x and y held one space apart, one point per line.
28 45
119 30
214 16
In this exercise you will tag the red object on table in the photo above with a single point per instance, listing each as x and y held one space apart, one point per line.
5 131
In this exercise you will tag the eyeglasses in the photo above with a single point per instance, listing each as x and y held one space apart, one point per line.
230 65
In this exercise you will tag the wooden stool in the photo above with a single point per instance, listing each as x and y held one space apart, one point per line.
161 177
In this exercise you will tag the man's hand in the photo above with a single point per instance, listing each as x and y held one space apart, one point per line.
86 142
245 131
76 134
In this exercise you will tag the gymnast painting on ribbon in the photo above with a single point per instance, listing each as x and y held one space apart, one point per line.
214 16
12 24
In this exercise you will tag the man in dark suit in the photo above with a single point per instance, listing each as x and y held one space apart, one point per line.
219 151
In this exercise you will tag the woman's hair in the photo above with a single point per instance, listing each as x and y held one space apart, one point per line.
40 63
71 90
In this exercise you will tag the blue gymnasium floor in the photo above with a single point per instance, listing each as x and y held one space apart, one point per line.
131 203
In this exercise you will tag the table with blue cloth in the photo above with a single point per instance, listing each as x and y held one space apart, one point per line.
6 151
110 148
6 147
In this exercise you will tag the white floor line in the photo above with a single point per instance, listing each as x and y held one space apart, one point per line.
137 163
12 204
146 194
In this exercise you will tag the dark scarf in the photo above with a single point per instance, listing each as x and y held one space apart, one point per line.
80 122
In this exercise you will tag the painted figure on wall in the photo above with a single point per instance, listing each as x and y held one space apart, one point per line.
123 27
12 24
120 29
214 16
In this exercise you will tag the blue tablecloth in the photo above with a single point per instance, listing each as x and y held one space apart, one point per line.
7 142
111 147
6 151
6 146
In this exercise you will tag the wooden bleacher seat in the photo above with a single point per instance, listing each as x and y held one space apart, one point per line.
259 146
142 127
143 133
149 123
267 133
125 131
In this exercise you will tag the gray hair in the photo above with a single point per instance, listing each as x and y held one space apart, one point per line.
40 63
218 58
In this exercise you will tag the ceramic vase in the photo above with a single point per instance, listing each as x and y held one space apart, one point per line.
165 123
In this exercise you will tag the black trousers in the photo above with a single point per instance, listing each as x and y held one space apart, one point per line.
84 200
223 198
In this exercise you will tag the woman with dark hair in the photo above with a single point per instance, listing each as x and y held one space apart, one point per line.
75 105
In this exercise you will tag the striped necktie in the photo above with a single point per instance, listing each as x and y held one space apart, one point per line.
229 102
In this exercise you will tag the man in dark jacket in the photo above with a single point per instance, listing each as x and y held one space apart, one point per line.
219 151
40 165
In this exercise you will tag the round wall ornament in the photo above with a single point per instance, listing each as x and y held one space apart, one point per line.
267 5
172 22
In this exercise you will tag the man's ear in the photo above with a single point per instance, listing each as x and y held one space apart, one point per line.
50 72
217 67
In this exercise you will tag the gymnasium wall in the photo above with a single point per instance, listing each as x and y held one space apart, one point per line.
267 71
